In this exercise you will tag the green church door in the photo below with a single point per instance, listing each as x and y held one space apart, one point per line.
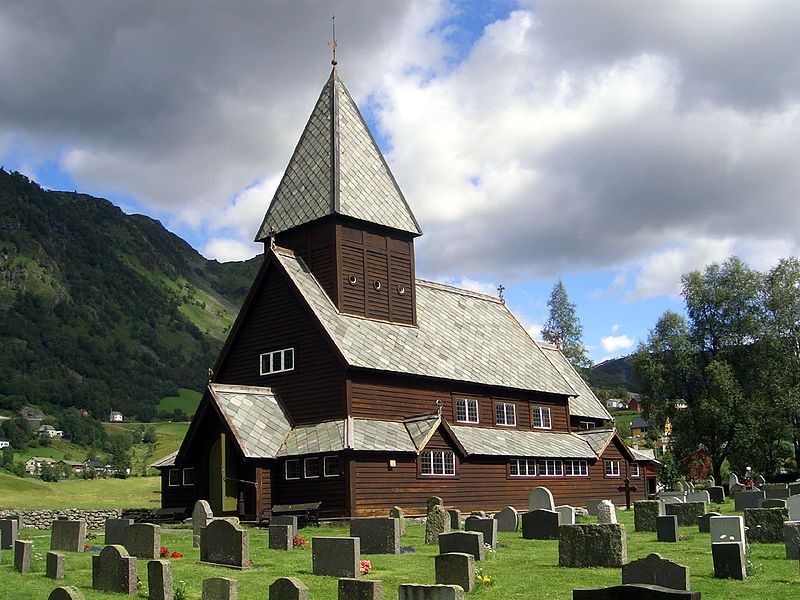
223 476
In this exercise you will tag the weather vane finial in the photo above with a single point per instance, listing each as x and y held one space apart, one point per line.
332 43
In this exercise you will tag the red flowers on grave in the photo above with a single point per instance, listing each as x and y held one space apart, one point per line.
299 542
176 555
366 567
164 552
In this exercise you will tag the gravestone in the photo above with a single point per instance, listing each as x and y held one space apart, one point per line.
592 506
655 570
378 535
704 522
456 568
115 531
290 520
776 490
478 513
567 514
463 542
114 570
220 588
69 536
634 591
749 499
360 589
336 557
201 516
759 480
143 540
687 512
540 498
288 588
280 537
225 543
433 501
727 529
791 539
437 522
23 554
699 496
588 545
793 504
540 525
773 503
765 525
397 513
667 528
606 513
9 530
507 519
455 518
716 493
488 527
729 560
794 488
416 591
734 487
159 580
55 565
680 486
671 499
67 592
645 513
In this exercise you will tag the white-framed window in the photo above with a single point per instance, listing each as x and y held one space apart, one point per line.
175 478
612 468
587 424
311 467
551 468
522 467
292 469
541 417
188 476
575 468
466 410
635 470
277 361
437 462
330 466
505 413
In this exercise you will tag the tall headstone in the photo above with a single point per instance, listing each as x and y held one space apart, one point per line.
115 531
416 591
397 513
433 501
645 513
716 493
727 529
655 570
456 569
280 537
159 580
336 556
589 545
729 560
201 516
114 570
360 589
378 535
566 514
55 565
793 504
540 525
488 527
220 588
225 543
667 528
9 530
436 522
541 498
455 518
606 513
69 536
288 588
23 555
143 540
463 542
507 519
791 539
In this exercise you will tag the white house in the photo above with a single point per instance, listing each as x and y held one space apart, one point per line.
4 444
33 466
50 431
115 417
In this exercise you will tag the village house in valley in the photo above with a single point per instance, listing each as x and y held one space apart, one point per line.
347 381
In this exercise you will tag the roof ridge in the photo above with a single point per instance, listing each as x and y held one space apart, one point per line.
234 386
446 287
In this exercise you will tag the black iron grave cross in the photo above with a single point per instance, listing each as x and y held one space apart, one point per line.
627 488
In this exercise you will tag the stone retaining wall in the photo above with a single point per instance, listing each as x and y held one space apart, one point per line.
95 518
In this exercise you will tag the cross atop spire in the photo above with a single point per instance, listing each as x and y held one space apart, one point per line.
333 43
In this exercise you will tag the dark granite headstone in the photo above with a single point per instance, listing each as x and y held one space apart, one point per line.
748 499
115 531
773 503
717 494
378 535
466 542
729 560
55 565
288 588
9 531
704 522
23 554
507 519
280 537
225 543
220 588
336 556
540 525
488 527
634 592
113 570
667 528
589 545
360 589
794 488
456 568
655 570
159 580
455 519
416 591
778 491
285 520
69 536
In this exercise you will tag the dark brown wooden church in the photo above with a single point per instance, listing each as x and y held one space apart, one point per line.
347 381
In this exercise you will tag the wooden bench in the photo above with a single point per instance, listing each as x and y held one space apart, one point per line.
307 513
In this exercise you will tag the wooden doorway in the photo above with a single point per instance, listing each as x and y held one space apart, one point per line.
223 476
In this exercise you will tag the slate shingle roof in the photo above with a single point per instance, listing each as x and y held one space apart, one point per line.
511 442
597 438
460 335
313 439
167 461
337 167
585 404
421 428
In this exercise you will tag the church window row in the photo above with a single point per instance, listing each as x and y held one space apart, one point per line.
529 467
437 463
505 414
612 468
541 417
466 410
277 361
312 467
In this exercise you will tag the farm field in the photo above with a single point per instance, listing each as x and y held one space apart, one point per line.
520 568
186 400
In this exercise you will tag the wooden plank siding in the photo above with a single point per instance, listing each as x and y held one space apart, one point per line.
315 243
330 491
277 319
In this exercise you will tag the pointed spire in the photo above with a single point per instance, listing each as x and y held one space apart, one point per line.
337 168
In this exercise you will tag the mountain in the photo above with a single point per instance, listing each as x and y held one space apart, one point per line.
102 310
617 372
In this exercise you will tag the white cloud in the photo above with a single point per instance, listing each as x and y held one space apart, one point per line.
226 249
615 343
615 328
482 287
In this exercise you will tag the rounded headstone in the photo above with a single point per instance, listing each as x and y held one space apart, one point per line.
540 498
66 593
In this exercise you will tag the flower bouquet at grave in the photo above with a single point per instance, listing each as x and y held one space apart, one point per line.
299 542
483 578
366 567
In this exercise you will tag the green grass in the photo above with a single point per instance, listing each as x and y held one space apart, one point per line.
522 569
168 439
186 400
27 493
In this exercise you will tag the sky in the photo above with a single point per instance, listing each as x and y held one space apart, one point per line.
613 145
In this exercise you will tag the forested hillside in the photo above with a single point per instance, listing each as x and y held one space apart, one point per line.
99 309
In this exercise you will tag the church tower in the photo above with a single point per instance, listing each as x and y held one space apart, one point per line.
340 209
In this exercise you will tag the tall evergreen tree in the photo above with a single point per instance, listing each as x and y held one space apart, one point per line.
563 328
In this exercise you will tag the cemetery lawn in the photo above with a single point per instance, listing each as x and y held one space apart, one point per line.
26 493
525 569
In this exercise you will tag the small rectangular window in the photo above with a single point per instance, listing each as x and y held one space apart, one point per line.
466 410
575 468
505 413
612 468
437 462
188 476
522 467
541 417
634 470
278 361
551 468
330 465
311 467
175 478
293 469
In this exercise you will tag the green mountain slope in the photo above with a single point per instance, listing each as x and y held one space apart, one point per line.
617 372
99 309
